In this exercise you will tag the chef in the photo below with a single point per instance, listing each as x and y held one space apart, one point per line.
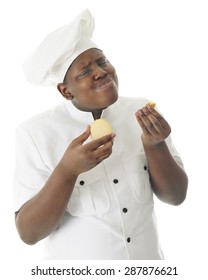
91 199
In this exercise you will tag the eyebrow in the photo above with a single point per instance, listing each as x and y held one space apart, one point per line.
83 65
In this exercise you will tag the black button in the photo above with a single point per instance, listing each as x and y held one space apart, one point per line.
145 167
81 183
115 181
128 239
125 210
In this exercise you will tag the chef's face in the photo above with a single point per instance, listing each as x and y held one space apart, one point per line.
91 82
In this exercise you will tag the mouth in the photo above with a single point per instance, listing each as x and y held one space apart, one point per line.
106 84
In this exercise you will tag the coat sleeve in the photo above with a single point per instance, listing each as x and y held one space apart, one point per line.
30 171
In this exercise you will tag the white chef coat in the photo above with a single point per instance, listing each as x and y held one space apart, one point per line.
110 214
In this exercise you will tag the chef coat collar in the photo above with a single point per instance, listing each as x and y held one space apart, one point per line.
82 116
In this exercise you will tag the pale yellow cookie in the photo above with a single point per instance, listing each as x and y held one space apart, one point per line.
100 128
152 104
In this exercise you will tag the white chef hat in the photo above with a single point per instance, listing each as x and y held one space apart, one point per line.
48 64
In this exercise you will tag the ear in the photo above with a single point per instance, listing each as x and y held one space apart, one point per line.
62 88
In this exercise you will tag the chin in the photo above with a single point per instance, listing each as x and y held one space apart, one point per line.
112 99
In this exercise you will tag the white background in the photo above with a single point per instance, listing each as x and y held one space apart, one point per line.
159 49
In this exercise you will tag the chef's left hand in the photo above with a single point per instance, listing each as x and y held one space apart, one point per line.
155 128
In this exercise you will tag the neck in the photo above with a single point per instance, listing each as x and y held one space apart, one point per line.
97 114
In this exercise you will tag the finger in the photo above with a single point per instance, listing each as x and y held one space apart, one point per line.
149 126
104 151
101 153
102 158
153 123
83 137
95 144
159 117
146 125
160 125
139 114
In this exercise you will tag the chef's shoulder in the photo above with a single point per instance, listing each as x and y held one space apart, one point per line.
132 103
49 119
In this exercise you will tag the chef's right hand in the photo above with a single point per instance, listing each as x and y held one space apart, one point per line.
80 157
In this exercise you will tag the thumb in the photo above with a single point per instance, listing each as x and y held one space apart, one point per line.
83 137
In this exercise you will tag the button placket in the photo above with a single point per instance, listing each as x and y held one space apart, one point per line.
125 210
123 204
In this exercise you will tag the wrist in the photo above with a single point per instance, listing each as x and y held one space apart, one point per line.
66 173
149 145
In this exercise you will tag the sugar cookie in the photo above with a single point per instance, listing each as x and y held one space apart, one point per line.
152 104
100 128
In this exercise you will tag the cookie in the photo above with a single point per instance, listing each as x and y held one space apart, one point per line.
100 128
152 104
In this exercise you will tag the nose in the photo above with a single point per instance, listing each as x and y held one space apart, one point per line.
99 73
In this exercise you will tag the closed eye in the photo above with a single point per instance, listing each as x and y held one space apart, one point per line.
85 73
102 62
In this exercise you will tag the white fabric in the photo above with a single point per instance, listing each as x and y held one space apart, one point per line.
48 64
94 225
